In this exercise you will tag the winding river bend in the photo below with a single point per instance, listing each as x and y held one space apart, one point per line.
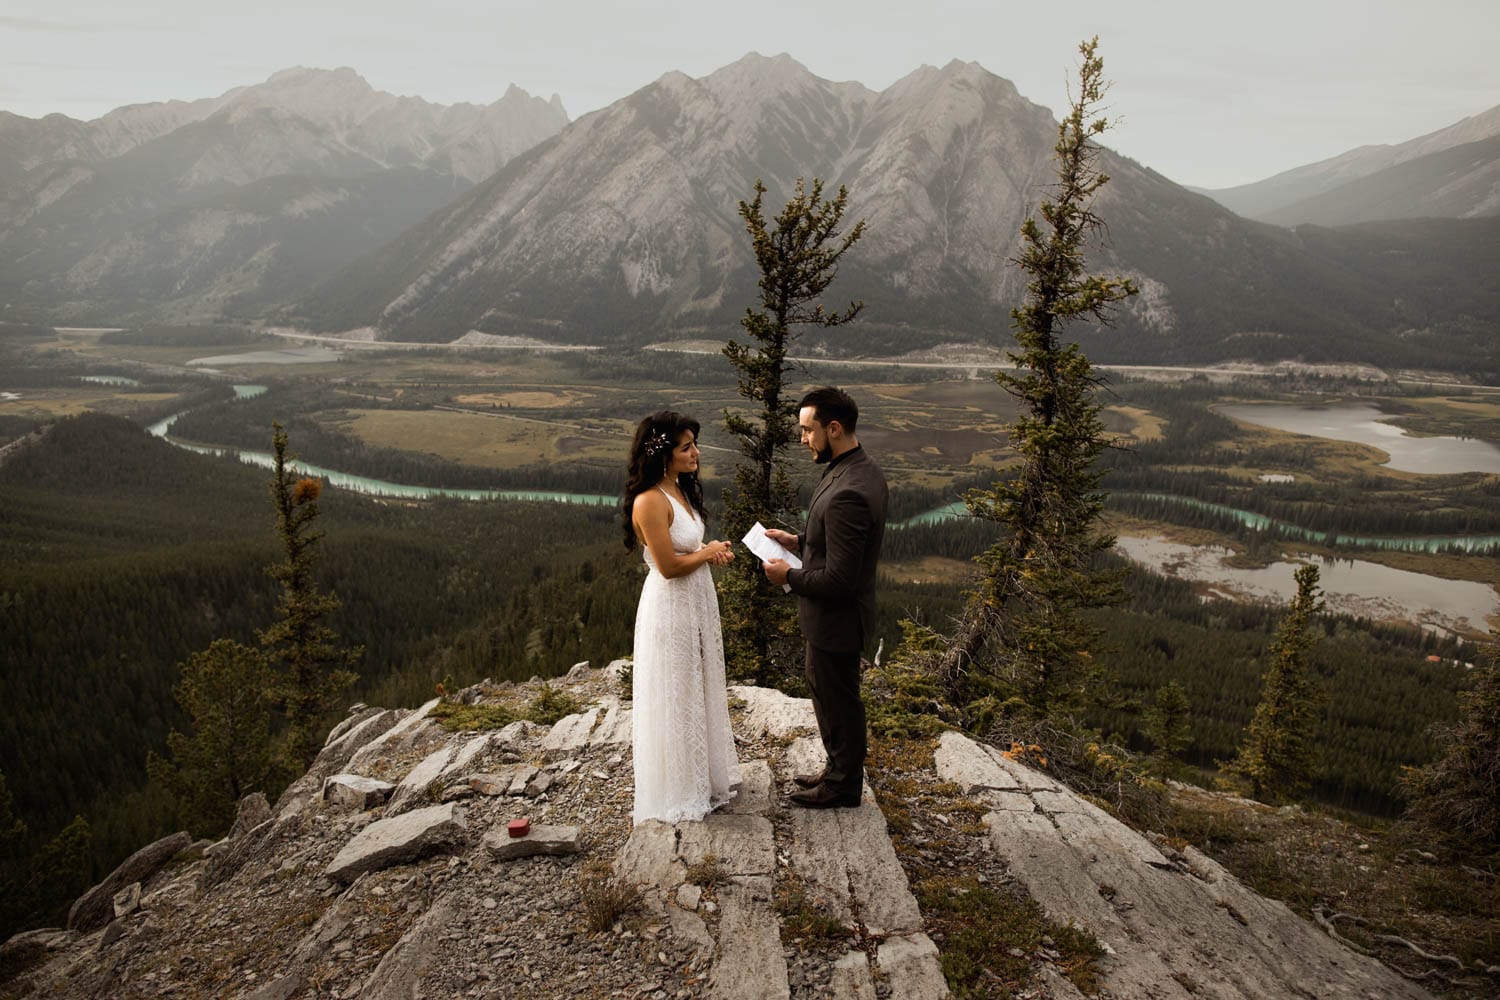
364 484
1351 586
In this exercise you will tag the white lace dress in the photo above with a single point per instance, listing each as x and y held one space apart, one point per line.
685 765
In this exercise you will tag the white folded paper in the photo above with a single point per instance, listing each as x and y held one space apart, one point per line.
763 548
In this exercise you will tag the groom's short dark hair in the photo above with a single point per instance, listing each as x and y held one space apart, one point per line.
830 404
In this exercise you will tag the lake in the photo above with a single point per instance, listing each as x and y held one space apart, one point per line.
1363 423
1351 586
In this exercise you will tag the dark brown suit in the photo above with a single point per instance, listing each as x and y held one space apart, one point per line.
836 605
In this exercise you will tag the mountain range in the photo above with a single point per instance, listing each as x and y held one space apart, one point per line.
317 202
222 206
1451 173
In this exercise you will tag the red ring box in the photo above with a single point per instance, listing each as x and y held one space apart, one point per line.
519 827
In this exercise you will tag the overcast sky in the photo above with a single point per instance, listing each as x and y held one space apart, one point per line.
1210 94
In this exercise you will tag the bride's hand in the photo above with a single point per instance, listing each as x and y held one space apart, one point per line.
721 553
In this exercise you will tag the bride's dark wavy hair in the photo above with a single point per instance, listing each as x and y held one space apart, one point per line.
655 440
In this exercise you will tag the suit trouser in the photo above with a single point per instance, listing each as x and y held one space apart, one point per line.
834 679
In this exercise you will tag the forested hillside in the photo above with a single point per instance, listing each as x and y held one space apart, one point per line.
122 555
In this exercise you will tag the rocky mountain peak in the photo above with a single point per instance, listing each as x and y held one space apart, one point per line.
399 865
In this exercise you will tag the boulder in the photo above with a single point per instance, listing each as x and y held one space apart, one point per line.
252 811
541 840
571 733
414 788
95 908
127 900
355 791
400 840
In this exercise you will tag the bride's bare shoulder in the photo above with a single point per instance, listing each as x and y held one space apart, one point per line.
652 504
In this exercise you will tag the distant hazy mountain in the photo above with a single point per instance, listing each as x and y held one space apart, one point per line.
1292 197
623 229
1458 183
289 179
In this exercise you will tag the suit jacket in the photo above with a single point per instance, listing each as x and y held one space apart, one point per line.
840 549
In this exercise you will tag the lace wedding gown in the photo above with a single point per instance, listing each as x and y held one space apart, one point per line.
685 765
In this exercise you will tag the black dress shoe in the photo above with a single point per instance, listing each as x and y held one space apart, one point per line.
807 780
824 797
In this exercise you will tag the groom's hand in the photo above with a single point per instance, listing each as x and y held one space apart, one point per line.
776 570
785 539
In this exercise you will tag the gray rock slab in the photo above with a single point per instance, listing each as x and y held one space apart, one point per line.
355 791
539 784
364 758
978 767
521 729
690 928
876 879
851 978
542 839
399 974
1083 831
250 812
357 713
616 727
768 712
911 968
401 839
571 732
744 845
95 908
753 797
815 851
749 964
1008 801
500 782
464 756
1095 873
649 856
127 900
847 854
689 896
520 777
413 788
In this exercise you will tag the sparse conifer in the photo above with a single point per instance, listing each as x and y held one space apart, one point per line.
228 753
1023 630
1457 796
798 255
1276 757
310 666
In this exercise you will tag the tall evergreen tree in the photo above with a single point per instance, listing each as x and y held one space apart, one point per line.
223 690
1276 756
1022 630
1167 721
1458 795
798 256
311 667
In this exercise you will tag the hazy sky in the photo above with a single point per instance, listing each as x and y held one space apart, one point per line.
1208 93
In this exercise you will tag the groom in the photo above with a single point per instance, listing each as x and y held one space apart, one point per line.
835 589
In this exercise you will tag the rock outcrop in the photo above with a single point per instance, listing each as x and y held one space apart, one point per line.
339 892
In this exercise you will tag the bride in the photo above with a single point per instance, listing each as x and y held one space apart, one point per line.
685 764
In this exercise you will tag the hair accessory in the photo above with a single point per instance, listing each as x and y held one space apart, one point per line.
657 443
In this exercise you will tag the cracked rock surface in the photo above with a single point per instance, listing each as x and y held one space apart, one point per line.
387 872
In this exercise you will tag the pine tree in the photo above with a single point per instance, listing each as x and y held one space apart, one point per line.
1457 796
1023 631
1276 756
798 259
223 690
1167 721
311 667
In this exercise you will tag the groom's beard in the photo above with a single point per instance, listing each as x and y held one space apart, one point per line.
823 455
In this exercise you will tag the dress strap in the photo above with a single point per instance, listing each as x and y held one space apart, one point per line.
677 503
